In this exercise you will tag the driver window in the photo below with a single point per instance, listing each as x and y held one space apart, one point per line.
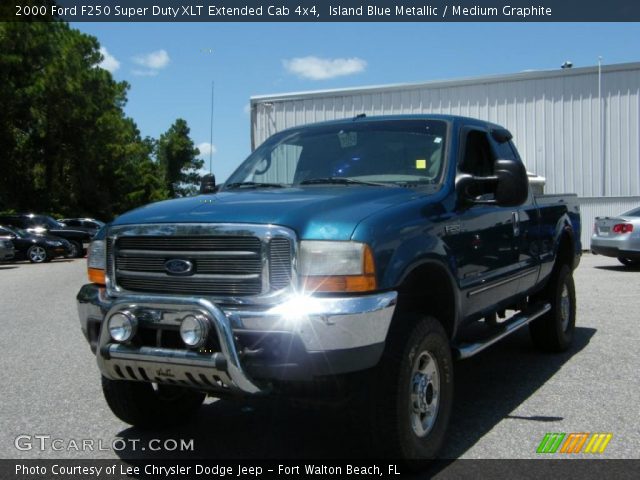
478 158
478 161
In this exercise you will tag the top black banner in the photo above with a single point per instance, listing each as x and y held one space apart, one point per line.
324 11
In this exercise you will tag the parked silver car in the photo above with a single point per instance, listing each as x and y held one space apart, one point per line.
7 251
618 237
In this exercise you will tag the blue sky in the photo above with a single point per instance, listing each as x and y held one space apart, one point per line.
170 66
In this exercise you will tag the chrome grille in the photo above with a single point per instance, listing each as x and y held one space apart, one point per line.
222 265
191 243
203 265
110 259
279 262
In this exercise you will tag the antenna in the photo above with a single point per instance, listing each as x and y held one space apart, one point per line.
213 84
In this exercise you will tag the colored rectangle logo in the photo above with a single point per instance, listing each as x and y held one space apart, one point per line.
576 442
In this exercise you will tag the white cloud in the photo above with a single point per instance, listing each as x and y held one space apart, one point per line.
109 62
315 68
247 109
154 60
145 73
206 148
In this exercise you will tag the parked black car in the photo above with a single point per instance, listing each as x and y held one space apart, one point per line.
6 249
90 225
40 224
35 248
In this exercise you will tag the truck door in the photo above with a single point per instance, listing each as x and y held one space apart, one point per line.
486 260
526 228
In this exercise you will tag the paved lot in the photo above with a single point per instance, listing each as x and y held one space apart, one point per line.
507 398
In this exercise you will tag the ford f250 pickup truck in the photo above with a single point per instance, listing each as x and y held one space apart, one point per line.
360 255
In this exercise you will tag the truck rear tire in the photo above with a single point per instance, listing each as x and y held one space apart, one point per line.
553 332
411 393
141 405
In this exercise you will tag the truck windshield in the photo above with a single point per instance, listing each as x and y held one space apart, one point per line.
359 153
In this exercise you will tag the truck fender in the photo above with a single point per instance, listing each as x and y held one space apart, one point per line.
425 267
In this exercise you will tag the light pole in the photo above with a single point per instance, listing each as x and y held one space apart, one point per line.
601 112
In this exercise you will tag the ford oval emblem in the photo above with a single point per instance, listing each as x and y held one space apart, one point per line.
177 266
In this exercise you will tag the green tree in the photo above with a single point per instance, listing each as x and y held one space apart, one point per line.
66 145
177 157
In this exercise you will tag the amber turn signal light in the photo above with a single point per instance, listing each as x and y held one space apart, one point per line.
96 275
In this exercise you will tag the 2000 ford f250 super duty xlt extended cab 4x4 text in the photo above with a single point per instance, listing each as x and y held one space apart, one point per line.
349 256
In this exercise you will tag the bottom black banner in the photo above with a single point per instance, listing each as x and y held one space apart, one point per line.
292 470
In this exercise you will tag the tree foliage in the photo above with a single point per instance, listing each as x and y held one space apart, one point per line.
66 145
178 158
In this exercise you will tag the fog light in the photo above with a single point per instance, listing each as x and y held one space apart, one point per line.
193 330
122 326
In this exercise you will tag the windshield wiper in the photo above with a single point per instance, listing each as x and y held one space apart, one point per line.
415 183
252 185
340 181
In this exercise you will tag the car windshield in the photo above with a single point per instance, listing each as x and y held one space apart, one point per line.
360 153
47 222
13 231
41 221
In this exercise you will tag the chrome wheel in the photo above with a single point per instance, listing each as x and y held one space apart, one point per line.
37 254
565 308
424 393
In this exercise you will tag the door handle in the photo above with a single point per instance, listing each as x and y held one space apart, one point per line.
515 222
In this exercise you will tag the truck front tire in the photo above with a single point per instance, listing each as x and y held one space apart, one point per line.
149 406
553 331
412 391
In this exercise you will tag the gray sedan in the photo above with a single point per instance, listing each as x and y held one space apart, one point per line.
618 237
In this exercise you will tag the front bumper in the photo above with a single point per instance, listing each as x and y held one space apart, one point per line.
300 338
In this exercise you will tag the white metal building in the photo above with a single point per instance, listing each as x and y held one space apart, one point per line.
579 127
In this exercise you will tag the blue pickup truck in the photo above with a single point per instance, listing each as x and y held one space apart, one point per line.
352 260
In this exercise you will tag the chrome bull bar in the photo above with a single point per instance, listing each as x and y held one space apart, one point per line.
180 367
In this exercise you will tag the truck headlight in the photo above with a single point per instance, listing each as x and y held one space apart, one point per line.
97 261
328 266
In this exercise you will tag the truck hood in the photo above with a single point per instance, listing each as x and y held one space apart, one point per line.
314 212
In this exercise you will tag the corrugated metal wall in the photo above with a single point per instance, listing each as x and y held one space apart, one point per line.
560 125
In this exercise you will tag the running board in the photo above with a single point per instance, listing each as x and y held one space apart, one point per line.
516 322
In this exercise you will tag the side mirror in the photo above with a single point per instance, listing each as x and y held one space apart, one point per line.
208 184
508 187
513 183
